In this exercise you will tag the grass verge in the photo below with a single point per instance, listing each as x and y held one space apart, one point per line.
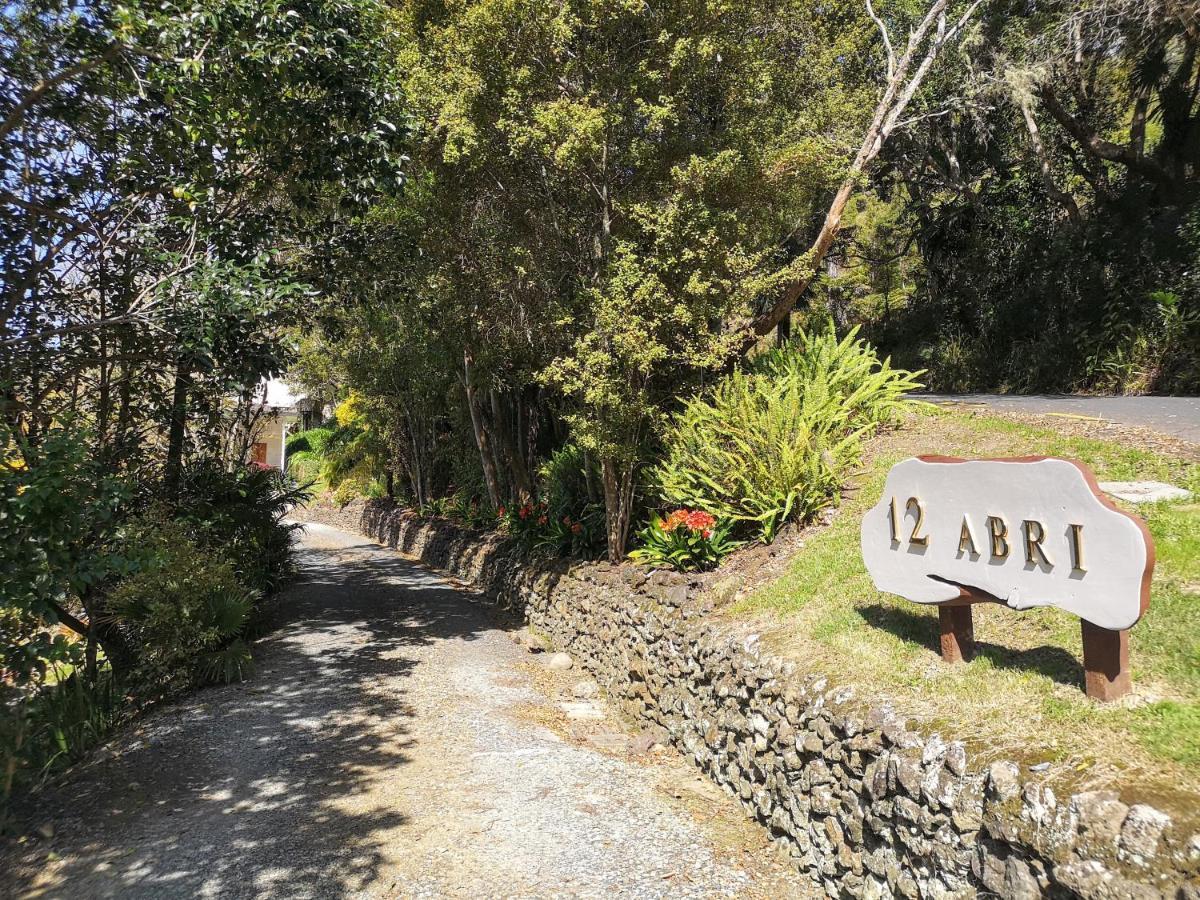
1022 695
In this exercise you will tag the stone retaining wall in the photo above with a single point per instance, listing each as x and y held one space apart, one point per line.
866 807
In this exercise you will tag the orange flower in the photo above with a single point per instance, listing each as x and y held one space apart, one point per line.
675 519
700 521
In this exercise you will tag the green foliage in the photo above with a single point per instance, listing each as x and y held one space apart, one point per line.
685 541
182 605
58 509
535 527
775 442
44 731
311 441
239 515
468 510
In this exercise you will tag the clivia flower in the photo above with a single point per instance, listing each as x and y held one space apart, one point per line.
675 519
501 511
542 520
576 528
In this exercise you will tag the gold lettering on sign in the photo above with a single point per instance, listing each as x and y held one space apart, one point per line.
1077 562
1035 533
915 503
998 533
894 521
966 538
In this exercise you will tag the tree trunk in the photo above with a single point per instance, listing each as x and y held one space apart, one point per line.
482 439
514 460
174 467
618 500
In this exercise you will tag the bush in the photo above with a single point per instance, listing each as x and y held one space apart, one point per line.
184 607
44 731
312 441
575 517
535 527
240 514
775 442
686 540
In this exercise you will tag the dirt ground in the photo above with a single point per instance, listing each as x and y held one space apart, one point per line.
395 741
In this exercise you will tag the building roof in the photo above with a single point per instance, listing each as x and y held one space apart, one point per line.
279 395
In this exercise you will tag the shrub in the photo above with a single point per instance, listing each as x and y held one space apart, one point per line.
774 442
311 441
468 510
184 607
240 515
536 527
686 540
45 730
575 517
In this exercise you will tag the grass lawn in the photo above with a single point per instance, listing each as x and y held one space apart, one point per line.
1021 697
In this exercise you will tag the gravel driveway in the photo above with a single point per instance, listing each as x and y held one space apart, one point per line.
395 742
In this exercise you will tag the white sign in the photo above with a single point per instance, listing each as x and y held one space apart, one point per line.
1027 532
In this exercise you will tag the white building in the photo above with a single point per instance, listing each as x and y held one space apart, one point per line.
282 414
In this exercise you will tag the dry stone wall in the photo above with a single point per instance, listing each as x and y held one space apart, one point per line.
866 807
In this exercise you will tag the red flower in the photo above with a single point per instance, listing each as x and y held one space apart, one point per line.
525 511
706 534
576 528
500 512
542 520
700 521
566 520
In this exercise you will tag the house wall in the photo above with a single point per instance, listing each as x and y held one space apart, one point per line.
272 431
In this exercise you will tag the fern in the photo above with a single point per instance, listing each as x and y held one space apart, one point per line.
775 442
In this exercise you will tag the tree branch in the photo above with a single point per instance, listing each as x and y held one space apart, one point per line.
1098 146
46 85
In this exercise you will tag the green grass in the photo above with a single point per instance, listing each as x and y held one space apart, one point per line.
1022 693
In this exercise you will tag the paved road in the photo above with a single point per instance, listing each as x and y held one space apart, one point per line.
1176 416
395 742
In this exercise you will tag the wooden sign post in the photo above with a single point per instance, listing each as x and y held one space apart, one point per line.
1023 532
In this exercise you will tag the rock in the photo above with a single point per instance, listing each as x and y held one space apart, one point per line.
648 740
1092 881
935 750
1140 834
1019 883
582 711
46 831
1002 781
1100 815
907 775
956 758
560 662
1144 491
530 641
585 690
